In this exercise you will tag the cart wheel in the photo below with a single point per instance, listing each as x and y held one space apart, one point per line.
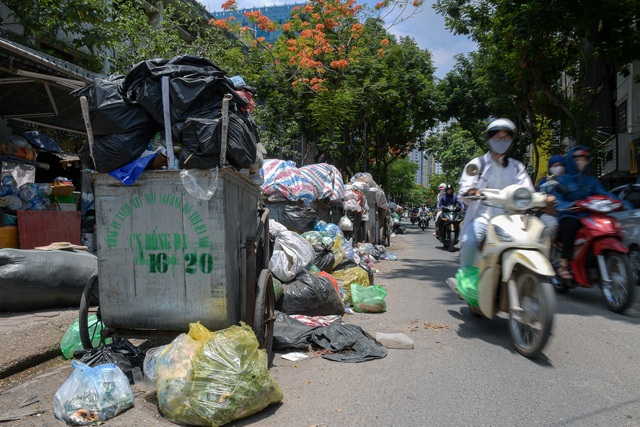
89 306
264 315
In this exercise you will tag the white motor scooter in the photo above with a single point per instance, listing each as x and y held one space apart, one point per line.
515 271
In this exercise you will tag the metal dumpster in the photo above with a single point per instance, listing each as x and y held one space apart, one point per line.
167 258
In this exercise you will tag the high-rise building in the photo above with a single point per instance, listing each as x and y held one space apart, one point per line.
417 156
277 14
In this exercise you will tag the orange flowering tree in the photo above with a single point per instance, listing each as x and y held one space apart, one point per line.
320 85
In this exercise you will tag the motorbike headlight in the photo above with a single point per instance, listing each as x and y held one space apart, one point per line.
502 235
603 206
522 198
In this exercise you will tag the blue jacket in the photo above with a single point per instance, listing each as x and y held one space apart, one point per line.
576 186
449 199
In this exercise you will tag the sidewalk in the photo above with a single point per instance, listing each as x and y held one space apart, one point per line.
30 338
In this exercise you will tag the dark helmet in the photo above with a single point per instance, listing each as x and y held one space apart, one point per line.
555 159
500 124
448 187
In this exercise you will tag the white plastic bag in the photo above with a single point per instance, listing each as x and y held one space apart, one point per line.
291 253
200 183
92 394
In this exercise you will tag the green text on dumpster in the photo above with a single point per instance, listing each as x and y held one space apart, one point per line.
161 250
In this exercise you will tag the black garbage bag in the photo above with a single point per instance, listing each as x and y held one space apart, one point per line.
324 260
350 343
195 83
109 112
289 333
368 269
189 160
122 353
34 279
113 151
311 296
299 219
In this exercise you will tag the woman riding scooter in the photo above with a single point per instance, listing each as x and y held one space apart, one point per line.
573 186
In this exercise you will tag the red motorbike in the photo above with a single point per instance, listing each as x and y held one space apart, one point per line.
599 254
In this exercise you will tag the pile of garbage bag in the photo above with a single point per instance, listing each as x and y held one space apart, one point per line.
126 114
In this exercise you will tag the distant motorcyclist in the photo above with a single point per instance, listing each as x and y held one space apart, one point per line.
442 188
449 198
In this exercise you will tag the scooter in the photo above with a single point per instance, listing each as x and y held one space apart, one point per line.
424 220
450 226
413 218
514 269
600 256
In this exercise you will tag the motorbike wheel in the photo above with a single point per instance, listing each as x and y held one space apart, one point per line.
531 328
422 225
451 241
634 258
618 294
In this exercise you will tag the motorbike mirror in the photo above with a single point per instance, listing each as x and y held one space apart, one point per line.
472 170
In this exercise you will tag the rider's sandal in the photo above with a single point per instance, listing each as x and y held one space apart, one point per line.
565 273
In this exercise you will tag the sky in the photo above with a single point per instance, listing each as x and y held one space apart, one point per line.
426 28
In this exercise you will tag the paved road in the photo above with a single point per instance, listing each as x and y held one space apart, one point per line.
462 372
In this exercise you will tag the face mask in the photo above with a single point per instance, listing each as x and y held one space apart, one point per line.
500 147
557 170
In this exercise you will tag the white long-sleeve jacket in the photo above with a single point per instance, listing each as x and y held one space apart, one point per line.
491 175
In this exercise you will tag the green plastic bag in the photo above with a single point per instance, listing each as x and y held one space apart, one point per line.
71 339
368 299
468 278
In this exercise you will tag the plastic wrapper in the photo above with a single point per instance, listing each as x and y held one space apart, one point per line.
201 184
291 253
92 394
226 379
149 364
319 240
326 179
283 181
364 177
368 299
337 250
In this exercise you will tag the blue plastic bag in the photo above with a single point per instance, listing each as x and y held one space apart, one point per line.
129 173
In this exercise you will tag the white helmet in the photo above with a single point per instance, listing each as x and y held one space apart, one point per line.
442 186
501 124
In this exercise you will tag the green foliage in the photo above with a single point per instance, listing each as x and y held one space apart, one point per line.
551 59
454 148
401 179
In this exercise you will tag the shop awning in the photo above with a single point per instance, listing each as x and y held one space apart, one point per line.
35 88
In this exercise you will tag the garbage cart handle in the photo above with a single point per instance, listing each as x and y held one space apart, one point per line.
225 129
13 159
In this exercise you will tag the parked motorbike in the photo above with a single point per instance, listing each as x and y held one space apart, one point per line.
600 256
424 220
514 270
450 226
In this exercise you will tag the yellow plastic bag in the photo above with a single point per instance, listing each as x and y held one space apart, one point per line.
224 378
348 276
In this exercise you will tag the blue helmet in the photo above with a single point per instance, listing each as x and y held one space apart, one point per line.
555 159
